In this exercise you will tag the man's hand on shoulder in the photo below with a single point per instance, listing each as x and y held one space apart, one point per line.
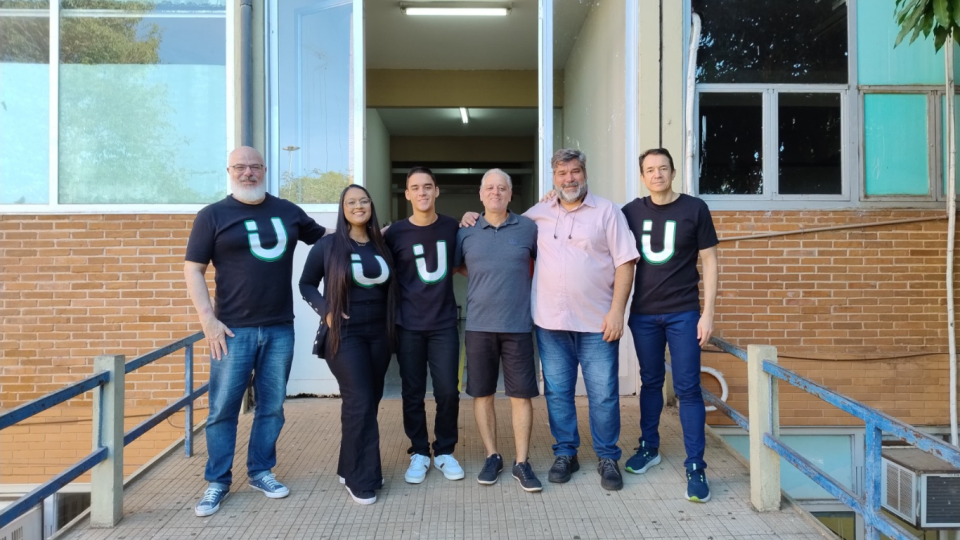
216 333
469 219
549 196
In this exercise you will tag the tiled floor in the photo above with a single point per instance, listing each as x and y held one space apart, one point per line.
160 504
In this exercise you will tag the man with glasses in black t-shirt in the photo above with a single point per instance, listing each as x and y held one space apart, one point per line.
671 231
422 248
249 237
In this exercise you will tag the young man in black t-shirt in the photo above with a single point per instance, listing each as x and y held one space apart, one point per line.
422 248
249 237
671 230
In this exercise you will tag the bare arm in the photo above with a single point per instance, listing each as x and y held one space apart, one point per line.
612 327
711 278
214 330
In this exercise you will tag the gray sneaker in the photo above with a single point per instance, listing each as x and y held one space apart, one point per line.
210 502
270 487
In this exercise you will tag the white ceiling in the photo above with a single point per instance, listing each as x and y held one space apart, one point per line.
398 41
437 122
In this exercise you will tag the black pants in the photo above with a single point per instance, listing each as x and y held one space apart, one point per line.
440 349
360 366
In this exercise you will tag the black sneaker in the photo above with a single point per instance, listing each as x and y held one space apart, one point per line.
524 474
610 478
491 470
563 468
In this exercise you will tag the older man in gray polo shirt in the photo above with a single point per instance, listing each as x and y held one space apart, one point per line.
497 257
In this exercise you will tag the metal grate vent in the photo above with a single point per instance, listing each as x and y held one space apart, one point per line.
899 490
942 500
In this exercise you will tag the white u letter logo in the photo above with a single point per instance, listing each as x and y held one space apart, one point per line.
441 272
669 242
361 279
258 250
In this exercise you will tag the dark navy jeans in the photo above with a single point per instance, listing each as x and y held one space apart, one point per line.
651 335
268 352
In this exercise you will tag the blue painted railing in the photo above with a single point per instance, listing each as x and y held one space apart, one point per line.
877 422
97 382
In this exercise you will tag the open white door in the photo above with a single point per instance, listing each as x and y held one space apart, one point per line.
316 139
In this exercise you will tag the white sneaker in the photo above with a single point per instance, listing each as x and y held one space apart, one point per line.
417 472
364 501
447 464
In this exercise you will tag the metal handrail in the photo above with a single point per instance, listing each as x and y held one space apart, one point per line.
877 422
101 453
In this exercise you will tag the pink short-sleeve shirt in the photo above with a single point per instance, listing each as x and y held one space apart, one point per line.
578 253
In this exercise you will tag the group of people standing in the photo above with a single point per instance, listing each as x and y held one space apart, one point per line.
574 257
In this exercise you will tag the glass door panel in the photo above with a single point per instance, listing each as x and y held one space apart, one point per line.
319 86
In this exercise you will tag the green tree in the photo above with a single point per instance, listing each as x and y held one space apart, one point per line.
926 17
314 187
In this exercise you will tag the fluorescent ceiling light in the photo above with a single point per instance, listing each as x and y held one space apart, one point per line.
463 115
474 9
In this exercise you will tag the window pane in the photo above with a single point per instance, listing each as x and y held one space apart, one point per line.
731 144
315 102
772 41
832 453
895 144
142 105
24 104
879 62
810 144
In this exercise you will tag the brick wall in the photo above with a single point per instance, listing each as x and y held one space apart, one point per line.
73 287
863 310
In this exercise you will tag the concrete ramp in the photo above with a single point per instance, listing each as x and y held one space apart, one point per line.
159 505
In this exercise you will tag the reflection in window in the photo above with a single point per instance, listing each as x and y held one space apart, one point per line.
24 102
772 41
731 144
142 102
810 144
316 108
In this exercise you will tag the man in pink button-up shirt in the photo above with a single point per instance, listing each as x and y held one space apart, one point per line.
585 262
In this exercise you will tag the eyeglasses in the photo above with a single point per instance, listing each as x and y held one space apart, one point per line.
355 203
239 168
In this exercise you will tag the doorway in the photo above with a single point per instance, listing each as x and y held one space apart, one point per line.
458 94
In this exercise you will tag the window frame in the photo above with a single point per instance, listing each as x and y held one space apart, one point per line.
53 205
936 142
770 126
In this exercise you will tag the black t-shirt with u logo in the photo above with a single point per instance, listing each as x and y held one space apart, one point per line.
669 238
251 247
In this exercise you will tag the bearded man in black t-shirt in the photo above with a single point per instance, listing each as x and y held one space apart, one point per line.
671 231
422 247
249 237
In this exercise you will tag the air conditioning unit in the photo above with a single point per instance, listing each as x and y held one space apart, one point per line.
920 488
26 527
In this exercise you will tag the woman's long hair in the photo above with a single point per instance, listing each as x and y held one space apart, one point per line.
337 287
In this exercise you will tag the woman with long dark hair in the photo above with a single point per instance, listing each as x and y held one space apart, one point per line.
358 306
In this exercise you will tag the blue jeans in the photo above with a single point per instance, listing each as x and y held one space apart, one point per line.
268 352
651 334
560 353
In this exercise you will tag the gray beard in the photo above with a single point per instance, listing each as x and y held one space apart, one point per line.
251 195
569 199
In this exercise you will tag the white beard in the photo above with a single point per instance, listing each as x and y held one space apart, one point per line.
249 195
569 199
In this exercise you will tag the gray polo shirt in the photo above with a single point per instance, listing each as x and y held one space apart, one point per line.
498 261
